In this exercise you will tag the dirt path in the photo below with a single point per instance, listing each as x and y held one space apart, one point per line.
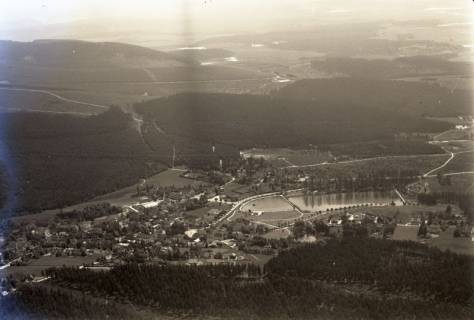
363 160
57 96
429 173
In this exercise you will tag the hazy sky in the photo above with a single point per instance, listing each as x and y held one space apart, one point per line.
27 19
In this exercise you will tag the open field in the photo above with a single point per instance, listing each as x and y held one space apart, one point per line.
277 234
416 164
234 189
172 177
380 148
446 241
457 145
405 233
455 134
287 156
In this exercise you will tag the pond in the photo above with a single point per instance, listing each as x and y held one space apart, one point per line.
323 202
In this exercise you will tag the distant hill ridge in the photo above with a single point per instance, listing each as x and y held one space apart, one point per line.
81 54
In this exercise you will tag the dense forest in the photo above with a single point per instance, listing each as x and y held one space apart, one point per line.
399 268
61 159
245 121
338 279
388 96
36 302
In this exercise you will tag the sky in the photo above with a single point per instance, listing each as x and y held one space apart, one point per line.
85 19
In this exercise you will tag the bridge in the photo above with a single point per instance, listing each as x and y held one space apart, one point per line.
295 207
400 196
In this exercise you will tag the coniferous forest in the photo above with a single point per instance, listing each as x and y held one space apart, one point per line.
338 279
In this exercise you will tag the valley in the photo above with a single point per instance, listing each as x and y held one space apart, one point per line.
279 174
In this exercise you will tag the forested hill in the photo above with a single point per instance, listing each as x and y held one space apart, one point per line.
349 279
62 159
72 63
390 267
82 54
410 98
248 120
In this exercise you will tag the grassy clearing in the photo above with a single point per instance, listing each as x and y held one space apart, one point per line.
285 156
237 190
455 134
172 177
35 266
458 183
415 164
405 233
458 146
446 241
277 234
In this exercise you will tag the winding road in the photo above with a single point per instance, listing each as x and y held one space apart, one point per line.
429 173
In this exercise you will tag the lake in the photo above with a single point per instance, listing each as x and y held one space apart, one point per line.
322 202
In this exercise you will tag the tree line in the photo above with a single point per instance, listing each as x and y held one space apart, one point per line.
302 283
404 268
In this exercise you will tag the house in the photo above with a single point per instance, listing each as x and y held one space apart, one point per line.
151 204
229 242
86 226
191 233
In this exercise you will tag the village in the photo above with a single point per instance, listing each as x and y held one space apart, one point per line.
217 221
